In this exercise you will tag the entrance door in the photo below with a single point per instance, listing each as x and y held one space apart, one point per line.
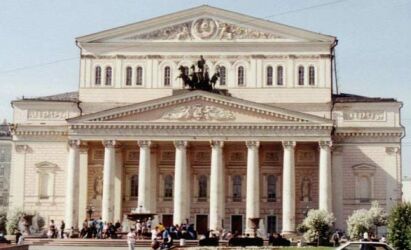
201 224
167 220
237 224
271 224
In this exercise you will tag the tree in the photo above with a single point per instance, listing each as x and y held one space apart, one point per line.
316 226
363 220
399 226
3 219
13 218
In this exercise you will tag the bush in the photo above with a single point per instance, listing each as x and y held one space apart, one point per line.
363 220
3 219
399 226
316 226
13 218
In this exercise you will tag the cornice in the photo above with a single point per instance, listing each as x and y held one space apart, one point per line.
369 132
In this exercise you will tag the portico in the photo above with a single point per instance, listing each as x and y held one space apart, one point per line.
278 137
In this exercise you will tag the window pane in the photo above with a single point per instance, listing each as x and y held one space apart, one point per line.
237 188
139 76
134 186
129 74
311 75
44 186
240 76
168 186
108 75
280 76
301 75
98 75
269 76
167 76
202 187
271 188
222 75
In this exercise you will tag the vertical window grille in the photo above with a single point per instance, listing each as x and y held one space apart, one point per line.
129 75
98 76
269 76
108 76
167 76
134 186
311 79
271 188
280 75
168 187
202 187
139 76
237 188
240 76
222 76
301 75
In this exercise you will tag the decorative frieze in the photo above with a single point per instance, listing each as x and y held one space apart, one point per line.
306 156
47 115
274 156
199 112
364 115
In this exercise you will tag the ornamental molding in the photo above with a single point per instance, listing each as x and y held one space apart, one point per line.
144 144
33 115
180 58
364 115
198 112
23 148
205 29
392 150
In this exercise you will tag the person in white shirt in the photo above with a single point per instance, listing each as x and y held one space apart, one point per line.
131 239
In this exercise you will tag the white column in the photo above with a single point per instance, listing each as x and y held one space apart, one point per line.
107 210
288 187
180 183
144 177
216 186
253 184
325 202
83 184
72 181
118 181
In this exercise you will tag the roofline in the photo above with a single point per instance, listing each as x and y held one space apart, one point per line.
120 29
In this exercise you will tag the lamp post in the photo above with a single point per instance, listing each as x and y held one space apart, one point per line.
90 211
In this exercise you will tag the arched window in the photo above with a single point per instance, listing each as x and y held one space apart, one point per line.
222 75
168 187
301 75
311 75
271 188
202 187
240 76
167 76
237 188
44 186
108 75
280 75
139 76
269 76
129 75
98 76
134 186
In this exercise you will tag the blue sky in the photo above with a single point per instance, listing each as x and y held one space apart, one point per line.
38 55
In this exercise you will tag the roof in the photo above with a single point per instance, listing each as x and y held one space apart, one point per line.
64 97
348 98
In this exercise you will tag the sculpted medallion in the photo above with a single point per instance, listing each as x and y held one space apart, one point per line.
204 28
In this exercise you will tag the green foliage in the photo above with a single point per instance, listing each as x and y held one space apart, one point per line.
13 218
316 225
399 226
363 220
3 219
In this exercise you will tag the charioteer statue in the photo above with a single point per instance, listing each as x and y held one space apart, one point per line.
198 77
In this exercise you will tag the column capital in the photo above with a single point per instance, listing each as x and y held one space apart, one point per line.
109 143
219 144
325 144
74 143
289 144
252 144
180 144
144 143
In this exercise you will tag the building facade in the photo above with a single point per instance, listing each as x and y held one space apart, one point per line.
5 162
272 144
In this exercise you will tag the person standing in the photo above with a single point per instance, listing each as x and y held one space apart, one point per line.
62 227
131 239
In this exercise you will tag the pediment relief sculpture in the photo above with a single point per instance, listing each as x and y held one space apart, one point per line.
199 112
204 29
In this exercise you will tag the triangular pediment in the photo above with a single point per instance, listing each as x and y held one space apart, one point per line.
205 24
200 107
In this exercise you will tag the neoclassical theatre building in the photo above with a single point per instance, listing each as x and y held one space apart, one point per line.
273 143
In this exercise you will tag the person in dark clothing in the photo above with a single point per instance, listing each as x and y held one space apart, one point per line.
62 227
18 235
